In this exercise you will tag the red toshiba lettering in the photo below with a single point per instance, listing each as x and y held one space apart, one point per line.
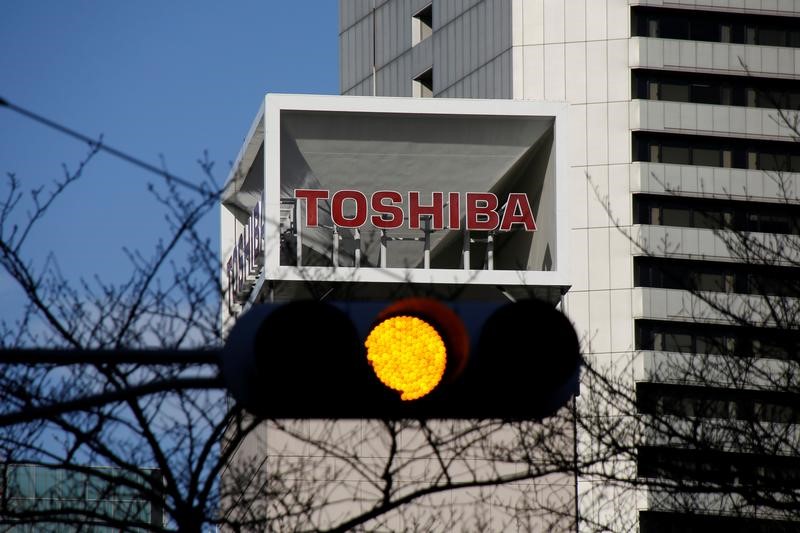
482 211
337 208
389 215
417 211
311 196
518 211
454 205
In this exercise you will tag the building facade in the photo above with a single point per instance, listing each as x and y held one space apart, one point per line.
37 498
685 193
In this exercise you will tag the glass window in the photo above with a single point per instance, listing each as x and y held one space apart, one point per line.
46 482
703 93
20 481
706 157
674 92
771 37
671 216
678 155
674 27
678 342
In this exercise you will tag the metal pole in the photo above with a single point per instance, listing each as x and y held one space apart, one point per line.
298 231
426 258
383 249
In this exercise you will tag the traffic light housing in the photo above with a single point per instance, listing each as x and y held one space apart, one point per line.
413 358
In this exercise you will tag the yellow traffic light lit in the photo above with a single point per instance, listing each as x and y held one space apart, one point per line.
408 355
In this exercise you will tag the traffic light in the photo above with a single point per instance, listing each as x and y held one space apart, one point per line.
413 358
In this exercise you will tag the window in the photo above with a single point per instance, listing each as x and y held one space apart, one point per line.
779 156
422 25
715 89
422 85
710 26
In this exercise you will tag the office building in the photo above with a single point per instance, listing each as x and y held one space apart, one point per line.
680 143
36 497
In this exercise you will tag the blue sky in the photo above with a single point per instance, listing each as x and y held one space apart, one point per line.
155 78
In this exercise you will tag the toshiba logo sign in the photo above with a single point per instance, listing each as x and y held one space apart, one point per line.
461 195
392 210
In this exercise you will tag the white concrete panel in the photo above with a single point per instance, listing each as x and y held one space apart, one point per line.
705 243
704 55
769 59
596 72
689 177
578 191
577 305
597 196
786 61
622 337
621 265
619 138
554 72
575 64
720 118
672 179
618 19
738 183
755 183
705 120
772 125
596 20
553 21
688 53
736 56
705 179
518 68
688 116
689 241
619 84
579 259
575 16
797 61
517 22
737 118
533 78
597 124
599 320
619 198
720 56
722 183
533 22
672 56
672 115
753 120
577 135
752 58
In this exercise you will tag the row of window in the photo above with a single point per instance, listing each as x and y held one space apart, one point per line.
707 402
712 276
43 488
729 468
714 26
776 156
703 213
691 337
714 89
682 522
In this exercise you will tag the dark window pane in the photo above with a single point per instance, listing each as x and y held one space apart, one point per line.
678 155
671 216
706 157
705 94
674 92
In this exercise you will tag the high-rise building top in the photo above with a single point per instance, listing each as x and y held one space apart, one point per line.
681 134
